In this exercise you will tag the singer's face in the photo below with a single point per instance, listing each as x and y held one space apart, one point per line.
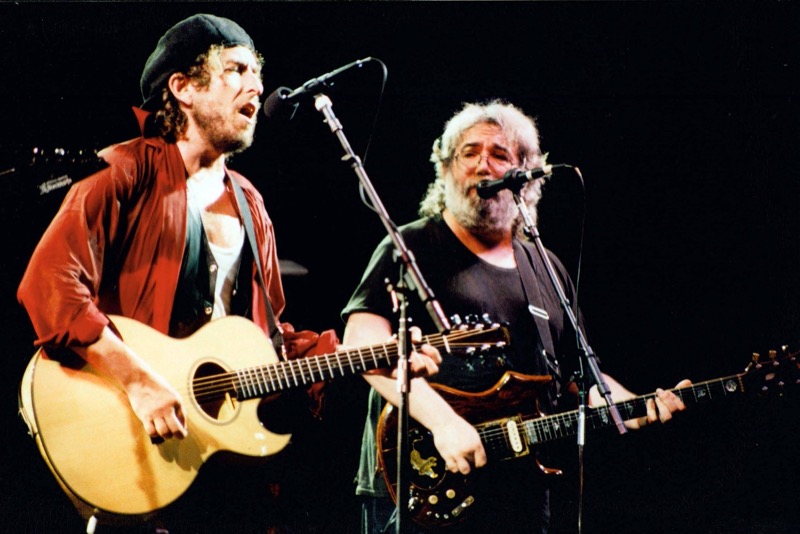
484 153
225 111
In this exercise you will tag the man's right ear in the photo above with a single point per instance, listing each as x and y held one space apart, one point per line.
180 86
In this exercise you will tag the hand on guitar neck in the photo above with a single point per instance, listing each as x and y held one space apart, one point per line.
659 409
423 361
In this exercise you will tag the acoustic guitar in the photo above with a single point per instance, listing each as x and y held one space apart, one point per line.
97 448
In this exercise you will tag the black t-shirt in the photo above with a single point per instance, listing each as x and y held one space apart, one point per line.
468 286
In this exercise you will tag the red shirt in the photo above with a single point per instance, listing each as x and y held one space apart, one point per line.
116 246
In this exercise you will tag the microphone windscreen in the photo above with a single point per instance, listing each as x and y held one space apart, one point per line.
277 106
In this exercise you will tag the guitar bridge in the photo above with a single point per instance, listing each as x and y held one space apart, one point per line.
504 438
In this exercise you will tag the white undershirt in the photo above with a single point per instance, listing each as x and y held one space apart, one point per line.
227 259
201 194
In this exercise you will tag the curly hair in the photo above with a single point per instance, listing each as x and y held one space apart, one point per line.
519 129
169 120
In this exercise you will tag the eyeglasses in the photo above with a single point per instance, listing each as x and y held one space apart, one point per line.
470 158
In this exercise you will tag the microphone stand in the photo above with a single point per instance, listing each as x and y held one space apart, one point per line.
588 354
588 358
411 278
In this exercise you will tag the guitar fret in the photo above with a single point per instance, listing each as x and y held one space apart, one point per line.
445 343
387 354
303 375
331 368
244 383
537 427
277 369
600 417
240 386
326 367
290 365
319 366
263 378
374 358
282 368
361 359
562 426
272 370
350 361
310 371
256 383
250 386
700 393
389 351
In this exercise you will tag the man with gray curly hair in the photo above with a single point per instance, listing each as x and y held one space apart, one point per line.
478 264
520 130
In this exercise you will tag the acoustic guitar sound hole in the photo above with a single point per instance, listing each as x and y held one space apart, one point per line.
213 391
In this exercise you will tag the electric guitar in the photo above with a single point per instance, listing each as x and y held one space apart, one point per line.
510 425
97 448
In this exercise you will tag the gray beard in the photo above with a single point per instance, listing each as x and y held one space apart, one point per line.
484 217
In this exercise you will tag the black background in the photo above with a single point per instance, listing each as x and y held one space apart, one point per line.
683 118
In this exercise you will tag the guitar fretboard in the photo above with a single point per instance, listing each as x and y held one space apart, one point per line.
499 438
566 424
263 380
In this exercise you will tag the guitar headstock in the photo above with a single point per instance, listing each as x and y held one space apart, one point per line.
772 374
476 333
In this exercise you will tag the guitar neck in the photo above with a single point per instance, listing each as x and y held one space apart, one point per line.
264 380
543 429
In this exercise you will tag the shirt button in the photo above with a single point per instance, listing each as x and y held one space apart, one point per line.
208 310
212 268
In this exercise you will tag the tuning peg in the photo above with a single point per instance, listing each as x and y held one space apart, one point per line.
455 320
486 318
773 354
756 356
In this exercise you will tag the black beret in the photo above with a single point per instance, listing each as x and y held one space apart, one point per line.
179 47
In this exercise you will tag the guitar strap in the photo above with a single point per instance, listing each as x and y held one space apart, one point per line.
247 221
528 272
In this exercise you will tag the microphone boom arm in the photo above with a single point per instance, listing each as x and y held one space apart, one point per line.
325 106
316 82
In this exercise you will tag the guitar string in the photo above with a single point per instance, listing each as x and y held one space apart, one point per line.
456 338
260 377
545 427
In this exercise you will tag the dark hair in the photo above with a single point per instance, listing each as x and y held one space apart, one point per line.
169 120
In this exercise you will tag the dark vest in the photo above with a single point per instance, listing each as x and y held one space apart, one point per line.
194 297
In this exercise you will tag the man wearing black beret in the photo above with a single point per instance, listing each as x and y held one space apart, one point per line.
162 234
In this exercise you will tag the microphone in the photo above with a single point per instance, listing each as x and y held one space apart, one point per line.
282 95
513 179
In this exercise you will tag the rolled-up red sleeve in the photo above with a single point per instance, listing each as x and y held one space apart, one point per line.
60 287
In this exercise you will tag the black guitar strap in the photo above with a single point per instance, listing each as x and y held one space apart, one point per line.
247 221
528 272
